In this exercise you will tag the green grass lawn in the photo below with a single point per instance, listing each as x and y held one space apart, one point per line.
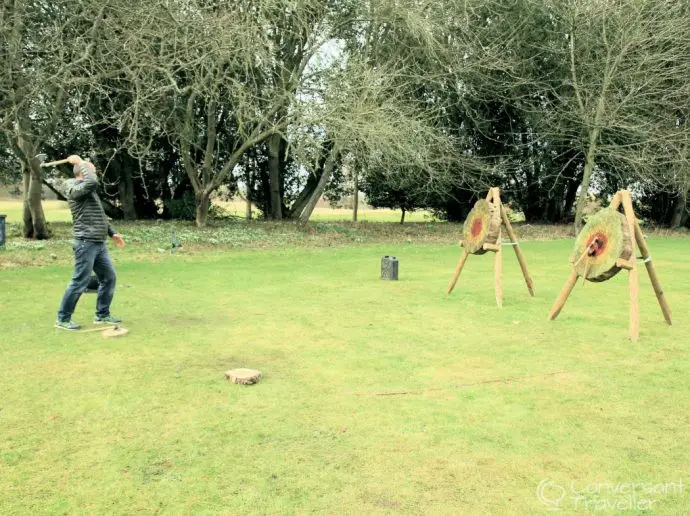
486 403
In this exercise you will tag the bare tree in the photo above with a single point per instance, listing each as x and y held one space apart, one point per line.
46 52
217 79
366 115
627 71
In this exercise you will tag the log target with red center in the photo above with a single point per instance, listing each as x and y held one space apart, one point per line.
602 242
482 226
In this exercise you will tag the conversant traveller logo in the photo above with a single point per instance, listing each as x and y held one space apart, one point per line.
606 496
550 494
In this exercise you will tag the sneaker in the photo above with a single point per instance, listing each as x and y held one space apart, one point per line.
67 325
108 319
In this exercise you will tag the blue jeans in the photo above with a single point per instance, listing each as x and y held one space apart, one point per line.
89 256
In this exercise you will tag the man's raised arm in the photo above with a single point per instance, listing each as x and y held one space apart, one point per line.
87 180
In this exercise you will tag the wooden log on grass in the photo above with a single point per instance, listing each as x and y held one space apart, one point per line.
243 376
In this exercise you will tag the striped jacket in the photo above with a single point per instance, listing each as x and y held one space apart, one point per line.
88 216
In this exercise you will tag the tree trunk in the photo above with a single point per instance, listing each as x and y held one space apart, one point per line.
266 190
60 196
274 175
35 225
305 194
586 177
402 218
111 210
680 210
312 182
126 188
355 197
594 129
33 199
28 224
248 181
570 195
203 205
533 208
320 188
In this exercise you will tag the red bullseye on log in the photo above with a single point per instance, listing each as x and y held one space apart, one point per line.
597 245
477 227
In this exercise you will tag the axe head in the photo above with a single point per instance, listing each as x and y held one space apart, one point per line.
41 157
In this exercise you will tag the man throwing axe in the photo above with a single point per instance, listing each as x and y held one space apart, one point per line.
91 230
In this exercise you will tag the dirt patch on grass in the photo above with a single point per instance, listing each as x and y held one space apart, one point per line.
183 320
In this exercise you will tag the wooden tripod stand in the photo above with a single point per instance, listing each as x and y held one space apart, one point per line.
494 198
624 199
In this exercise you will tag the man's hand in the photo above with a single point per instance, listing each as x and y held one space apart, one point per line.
90 166
119 241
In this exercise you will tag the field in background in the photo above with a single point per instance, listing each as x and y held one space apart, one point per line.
57 211
324 212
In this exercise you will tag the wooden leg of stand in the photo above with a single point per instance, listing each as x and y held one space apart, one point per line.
518 252
498 274
563 296
644 251
457 272
616 201
633 276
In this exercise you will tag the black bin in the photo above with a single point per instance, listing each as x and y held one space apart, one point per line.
2 230
389 268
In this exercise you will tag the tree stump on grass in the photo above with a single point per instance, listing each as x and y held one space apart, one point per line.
243 376
116 331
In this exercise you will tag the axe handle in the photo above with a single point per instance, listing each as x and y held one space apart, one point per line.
55 163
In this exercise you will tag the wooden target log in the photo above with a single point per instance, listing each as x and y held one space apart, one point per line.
483 226
482 232
243 376
603 245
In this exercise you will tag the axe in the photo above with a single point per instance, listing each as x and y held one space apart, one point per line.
42 157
